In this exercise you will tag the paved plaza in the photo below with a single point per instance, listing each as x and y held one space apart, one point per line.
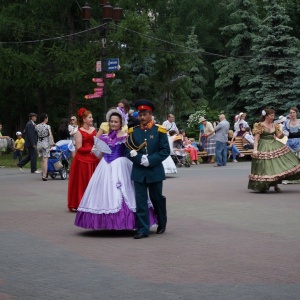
223 242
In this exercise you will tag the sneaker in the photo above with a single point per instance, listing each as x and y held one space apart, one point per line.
242 155
36 172
21 170
234 160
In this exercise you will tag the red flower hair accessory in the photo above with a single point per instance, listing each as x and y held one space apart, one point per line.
81 112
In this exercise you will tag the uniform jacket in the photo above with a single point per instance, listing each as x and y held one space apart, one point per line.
158 150
30 135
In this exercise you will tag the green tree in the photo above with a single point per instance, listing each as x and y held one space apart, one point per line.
234 71
275 55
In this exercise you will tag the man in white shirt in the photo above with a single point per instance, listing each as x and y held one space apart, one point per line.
170 124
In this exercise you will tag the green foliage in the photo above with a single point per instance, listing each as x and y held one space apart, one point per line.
211 115
166 51
276 54
234 71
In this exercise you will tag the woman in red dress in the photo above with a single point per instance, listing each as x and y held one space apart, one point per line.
84 162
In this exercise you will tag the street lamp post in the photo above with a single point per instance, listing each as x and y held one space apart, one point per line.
109 14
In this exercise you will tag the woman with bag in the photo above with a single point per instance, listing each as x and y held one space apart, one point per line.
45 141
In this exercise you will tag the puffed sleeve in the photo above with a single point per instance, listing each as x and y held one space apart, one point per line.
278 131
257 129
104 127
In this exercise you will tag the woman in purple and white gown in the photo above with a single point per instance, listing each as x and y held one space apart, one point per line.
109 200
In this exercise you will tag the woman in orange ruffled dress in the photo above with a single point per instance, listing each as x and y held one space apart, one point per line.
84 162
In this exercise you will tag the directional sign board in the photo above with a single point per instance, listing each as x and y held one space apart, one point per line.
97 80
110 75
98 66
92 96
112 64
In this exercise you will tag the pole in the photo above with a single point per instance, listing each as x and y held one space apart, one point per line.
104 68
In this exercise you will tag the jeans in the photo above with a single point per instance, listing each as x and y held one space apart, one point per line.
234 150
221 153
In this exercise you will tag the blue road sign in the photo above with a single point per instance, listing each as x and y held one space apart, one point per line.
112 64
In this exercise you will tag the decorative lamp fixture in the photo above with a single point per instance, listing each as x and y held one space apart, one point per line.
107 12
117 13
86 12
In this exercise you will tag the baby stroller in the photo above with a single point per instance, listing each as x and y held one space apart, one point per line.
178 154
58 162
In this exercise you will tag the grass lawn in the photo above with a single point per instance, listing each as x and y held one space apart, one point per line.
6 160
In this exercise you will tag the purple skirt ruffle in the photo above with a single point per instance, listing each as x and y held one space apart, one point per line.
122 220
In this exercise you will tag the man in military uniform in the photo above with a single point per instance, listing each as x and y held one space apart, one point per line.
148 146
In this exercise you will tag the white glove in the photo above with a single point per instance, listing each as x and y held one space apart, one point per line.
145 161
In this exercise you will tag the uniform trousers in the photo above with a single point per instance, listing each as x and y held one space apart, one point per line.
158 201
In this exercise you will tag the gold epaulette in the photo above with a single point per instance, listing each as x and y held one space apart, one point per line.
161 128
130 130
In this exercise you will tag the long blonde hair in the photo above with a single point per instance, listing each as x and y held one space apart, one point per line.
75 120
230 134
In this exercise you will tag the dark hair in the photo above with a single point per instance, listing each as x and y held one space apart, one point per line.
126 105
63 130
295 109
43 116
172 132
64 123
268 111
181 131
117 115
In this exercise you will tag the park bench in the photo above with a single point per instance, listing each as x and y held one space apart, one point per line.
239 144
202 153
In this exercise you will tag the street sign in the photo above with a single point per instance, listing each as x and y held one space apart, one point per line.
98 66
97 80
98 90
92 96
110 75
101 84
112 64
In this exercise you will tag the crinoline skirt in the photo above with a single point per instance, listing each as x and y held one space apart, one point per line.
109 200
273 163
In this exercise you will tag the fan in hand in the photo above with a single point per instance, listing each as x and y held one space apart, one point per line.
100 147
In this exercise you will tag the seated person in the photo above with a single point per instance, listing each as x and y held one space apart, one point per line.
232 147
191 150
194 144
248 139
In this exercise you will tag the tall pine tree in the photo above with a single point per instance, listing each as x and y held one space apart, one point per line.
275 55
234 71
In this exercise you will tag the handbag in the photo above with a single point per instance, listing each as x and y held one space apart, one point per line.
58 165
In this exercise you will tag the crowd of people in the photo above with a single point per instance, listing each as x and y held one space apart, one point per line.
121 188
116 176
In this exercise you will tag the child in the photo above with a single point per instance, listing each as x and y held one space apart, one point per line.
192 151
19 147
